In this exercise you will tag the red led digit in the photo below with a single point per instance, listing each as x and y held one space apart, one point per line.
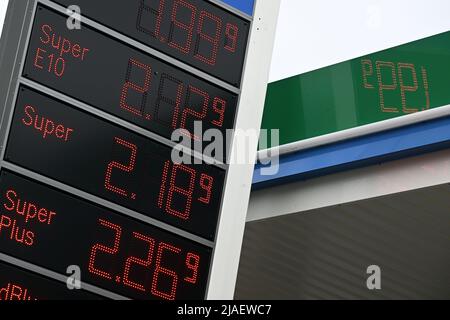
213 40
407 88
126 168
162 271
188 28
426 88
192 262
367 71
162 190
141 89
174 189
219 106
190 112
206 183
382 86
144 263
231 32
158 13
162 98
99 247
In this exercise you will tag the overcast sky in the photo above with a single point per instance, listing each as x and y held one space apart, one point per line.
3 5
315 33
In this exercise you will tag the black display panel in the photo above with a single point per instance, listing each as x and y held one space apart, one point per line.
55 230
17 284
79 149
195 31
118 79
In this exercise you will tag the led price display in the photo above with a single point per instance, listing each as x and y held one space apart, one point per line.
112 76
91 154
55 230
406 79
195 31
20 285
93 116
395 85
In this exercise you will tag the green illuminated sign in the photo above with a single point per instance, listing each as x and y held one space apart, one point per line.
383 85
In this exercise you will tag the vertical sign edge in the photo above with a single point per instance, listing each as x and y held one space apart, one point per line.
226 255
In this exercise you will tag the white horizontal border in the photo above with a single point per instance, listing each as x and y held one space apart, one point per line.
356 132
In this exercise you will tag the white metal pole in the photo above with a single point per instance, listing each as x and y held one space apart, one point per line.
239 180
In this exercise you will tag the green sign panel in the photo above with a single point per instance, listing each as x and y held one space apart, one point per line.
387 84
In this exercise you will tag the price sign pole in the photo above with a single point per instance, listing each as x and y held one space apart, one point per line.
237 192
88 178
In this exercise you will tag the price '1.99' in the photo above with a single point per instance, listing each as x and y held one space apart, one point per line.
191 31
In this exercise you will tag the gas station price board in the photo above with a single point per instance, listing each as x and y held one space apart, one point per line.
83 99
